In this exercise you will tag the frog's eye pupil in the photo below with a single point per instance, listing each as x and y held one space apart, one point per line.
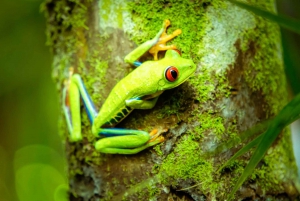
171 73
174 74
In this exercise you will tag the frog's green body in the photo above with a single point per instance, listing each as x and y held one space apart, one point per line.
150 76
138 90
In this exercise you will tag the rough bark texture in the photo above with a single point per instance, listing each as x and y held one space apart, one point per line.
238 83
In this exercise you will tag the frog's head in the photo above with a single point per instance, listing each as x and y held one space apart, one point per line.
175 69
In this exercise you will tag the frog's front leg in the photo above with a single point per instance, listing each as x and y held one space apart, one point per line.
147 102
134 55
164 38
155 45
141 104
124 141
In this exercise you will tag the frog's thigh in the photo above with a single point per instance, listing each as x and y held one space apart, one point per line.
126 142
124 151
129 144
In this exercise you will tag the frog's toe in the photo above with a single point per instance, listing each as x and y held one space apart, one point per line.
155 141
163 38
153 132
177 32
167 23
160 139
155 135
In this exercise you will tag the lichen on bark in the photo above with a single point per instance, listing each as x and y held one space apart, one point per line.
239 82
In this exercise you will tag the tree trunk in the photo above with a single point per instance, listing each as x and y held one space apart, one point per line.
239 82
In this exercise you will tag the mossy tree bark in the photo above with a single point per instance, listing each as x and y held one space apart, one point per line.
239 82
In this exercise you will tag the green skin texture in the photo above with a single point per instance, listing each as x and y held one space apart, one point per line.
138 90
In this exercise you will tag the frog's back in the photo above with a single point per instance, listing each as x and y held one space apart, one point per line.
114 108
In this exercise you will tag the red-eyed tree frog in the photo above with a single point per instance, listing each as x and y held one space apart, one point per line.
140 89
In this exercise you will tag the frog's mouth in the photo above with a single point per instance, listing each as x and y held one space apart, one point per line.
185 79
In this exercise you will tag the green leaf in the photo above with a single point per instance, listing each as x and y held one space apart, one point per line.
291 58
243 150
246 135
284 21
287 115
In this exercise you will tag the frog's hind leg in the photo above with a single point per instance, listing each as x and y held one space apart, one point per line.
155 135
74 90
86 99
123 141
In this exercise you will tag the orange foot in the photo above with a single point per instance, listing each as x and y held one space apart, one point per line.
164 38
155 135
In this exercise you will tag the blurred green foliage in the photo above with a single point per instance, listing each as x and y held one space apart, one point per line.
31 154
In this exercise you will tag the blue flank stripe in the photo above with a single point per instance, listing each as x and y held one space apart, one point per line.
137 63
94 111
107 135
90 116
113 132
109 132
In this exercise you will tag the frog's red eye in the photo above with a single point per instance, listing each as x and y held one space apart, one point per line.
171 73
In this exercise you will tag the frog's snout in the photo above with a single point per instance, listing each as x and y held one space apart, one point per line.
193 67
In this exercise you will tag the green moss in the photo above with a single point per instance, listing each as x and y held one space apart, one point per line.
108 196
153 191
171 107
232 130
210 125
177 12
179 165
111 12
265 72
95 84
158 150
204 85
67 20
